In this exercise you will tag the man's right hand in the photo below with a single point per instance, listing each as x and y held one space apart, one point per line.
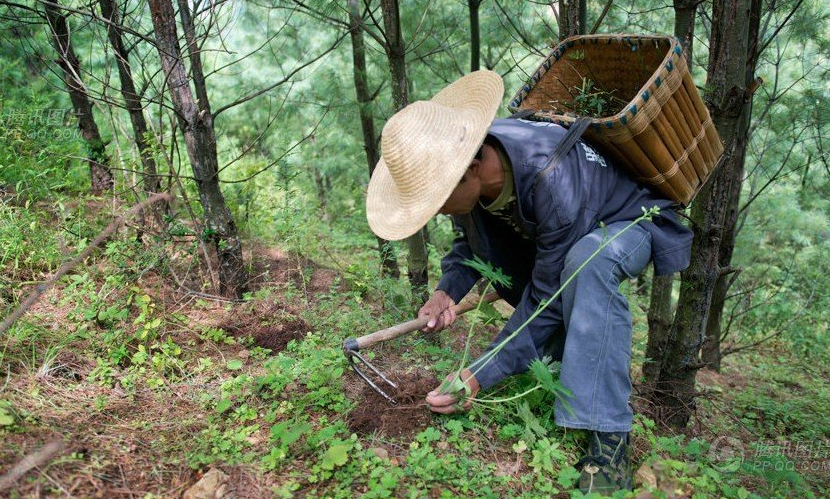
439 310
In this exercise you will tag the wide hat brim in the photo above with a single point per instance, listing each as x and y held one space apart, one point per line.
426 148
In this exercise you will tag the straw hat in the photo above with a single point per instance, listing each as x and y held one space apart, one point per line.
425 149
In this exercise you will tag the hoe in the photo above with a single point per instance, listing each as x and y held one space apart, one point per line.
352 345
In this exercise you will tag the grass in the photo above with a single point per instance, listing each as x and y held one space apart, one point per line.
150 390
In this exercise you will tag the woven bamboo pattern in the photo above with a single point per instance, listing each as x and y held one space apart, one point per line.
664 136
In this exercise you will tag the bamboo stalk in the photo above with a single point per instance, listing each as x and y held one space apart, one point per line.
639 162
672 142
654 148
695 123
695 156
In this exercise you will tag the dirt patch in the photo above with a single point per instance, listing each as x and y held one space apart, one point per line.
245 481
273 266
411 415
271 325
322 279
70 366
135 444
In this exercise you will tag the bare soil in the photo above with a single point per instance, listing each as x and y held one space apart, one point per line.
270 324
409 416
273 266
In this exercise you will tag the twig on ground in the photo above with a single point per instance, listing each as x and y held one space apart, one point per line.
31 461
199 294
68 266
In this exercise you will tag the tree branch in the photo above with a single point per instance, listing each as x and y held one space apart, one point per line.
284 80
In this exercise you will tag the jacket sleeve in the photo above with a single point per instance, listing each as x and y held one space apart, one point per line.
458 278
554 229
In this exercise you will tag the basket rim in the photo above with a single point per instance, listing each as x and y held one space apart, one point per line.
558 52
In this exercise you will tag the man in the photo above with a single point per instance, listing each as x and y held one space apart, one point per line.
538 225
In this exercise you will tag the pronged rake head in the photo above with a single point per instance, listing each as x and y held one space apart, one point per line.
350 348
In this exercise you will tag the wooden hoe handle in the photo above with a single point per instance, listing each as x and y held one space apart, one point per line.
409 326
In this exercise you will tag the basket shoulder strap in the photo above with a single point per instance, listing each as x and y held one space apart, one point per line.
521 114
575 131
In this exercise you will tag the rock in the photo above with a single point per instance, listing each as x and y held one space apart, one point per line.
506 468
645 476
221 491
380 452
243 354
211 486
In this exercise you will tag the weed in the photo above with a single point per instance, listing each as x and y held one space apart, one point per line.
587 99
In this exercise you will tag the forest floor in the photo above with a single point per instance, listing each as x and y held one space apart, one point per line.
151 387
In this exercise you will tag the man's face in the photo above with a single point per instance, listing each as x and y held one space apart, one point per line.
465 196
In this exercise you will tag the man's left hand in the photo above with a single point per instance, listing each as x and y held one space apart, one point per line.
447 403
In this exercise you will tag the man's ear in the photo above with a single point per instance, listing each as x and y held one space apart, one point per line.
474 168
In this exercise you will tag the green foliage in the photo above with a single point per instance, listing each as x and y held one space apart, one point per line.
488 272
234 364
29 248
589 100
544 370
284 413
7 418
214 444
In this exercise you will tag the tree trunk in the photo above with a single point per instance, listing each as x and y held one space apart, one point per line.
659 325
572 17
196 123
99 170
711 353
684 26
727 79
132 101
475 35
583 17
396 53
321 182
660 308
203 102
389 261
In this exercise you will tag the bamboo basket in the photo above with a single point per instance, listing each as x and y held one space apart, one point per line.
664 136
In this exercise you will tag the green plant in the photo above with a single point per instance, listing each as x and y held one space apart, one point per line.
589 100
543 372
7 418
283 435
216 335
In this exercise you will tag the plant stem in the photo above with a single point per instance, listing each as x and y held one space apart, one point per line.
448 387
647 214
508 399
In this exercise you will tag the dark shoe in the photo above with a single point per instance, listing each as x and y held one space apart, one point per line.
606 469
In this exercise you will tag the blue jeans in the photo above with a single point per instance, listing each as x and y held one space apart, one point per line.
597 330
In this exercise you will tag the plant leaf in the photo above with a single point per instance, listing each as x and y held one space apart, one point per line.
337 455
223 405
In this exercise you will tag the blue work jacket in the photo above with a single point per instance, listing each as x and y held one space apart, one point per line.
553 212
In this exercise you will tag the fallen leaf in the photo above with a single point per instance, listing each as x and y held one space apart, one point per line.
645 476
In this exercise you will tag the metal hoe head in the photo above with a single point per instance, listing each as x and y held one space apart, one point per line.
350 348
352 345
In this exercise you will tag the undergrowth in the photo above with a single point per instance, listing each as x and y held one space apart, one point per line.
115 351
